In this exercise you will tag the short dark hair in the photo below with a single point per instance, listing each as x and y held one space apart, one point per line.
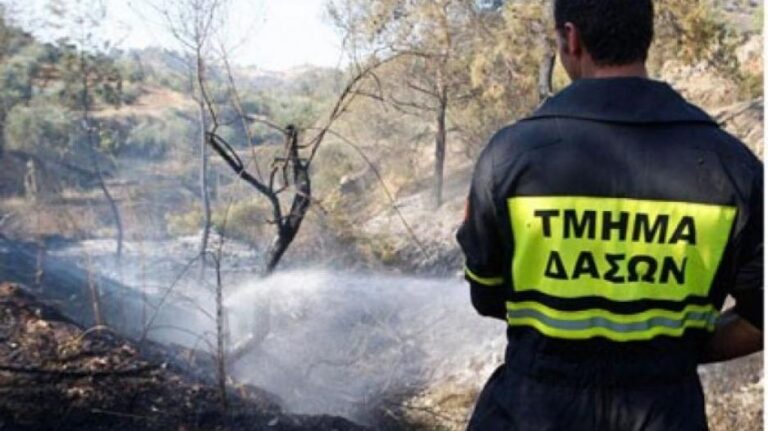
615 32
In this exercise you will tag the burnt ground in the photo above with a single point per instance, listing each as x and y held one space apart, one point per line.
56 375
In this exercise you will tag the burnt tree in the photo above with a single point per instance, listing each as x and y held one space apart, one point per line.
291 168
294 173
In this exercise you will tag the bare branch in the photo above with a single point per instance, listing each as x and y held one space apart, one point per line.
265 121
342 103
238 105
415 87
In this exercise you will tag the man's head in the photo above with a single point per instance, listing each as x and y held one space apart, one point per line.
596 36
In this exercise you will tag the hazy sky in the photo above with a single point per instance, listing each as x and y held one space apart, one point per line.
276 34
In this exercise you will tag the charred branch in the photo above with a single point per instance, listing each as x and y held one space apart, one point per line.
287 226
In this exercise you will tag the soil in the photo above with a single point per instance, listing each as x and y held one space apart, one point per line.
55 375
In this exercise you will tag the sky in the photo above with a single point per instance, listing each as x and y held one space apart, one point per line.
269 34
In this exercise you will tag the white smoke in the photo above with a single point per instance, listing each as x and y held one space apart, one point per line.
326 342
338 342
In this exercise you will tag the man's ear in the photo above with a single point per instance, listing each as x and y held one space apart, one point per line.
571 39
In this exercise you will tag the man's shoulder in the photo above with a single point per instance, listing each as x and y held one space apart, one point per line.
622 100
524 135
733 152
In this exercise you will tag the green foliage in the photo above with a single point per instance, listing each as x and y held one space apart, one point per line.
12 39
41 128
153 138
185 223
18 71
244 219
131 67
505 75
380 247
496 55
77 69
337 160
759 17
751 86
131 91
298 110
692 31
696 32
301 102
108 139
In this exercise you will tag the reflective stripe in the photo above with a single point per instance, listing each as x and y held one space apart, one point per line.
602 323
485 281
615 317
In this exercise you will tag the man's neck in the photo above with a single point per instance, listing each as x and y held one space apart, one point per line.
634 70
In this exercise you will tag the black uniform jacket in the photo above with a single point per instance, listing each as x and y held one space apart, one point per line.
612 224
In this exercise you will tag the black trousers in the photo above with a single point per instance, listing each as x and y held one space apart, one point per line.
512 401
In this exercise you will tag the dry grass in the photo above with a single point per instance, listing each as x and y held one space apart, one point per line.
153 102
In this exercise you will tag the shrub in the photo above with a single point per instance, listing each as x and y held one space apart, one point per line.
185 223
130 92
246 220
40 128
153 138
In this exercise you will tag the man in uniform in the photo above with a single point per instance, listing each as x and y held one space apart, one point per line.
607 229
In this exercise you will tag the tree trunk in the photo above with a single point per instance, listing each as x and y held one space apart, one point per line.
2 136
94 159
302 198
440 138
546 69
40 260
221 361
287 233
206 202
113 207
93 288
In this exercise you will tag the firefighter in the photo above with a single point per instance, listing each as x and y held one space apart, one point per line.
607 230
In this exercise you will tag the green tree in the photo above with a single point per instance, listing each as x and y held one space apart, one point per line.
40 128
695 31
86 73
18 66
511 63
431 37
194 23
